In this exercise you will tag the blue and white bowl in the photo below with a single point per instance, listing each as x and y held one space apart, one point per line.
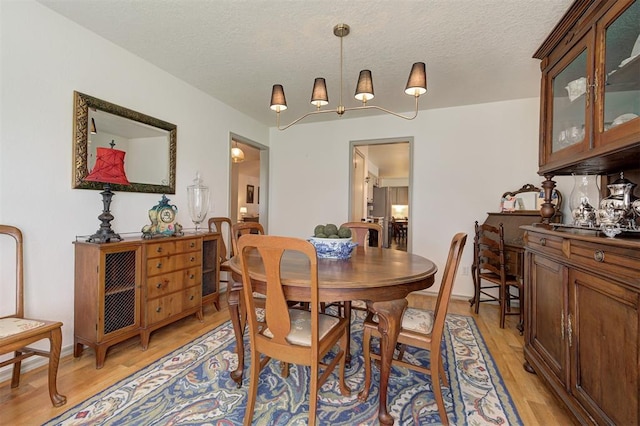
333 248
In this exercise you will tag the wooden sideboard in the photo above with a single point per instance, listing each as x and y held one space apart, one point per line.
582 295
135 286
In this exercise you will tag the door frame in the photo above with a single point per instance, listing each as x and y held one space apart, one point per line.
366 142
263 209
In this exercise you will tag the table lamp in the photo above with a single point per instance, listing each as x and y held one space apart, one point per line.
243 211
109 169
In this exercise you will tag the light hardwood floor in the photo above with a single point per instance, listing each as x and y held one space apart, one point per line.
78 379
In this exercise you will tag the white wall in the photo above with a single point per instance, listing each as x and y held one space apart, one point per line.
464 159
45 57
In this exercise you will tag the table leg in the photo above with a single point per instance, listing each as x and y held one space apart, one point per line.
234 312
389 322
347 315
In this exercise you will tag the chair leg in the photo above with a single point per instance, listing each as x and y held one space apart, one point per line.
55 340
443 375
476 295
313 395
253 388
521 301
503 307
15 377
437 391
366 347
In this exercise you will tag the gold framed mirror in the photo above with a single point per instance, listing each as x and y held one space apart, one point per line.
149 143
528 199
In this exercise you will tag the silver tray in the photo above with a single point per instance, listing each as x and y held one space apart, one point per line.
625 231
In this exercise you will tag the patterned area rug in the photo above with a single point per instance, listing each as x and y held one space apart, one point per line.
192 386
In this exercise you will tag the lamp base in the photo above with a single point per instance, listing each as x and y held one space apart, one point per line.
105 234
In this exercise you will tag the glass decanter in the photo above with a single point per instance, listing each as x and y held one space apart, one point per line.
198 201
584 200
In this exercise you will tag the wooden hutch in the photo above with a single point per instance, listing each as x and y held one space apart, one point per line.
582 288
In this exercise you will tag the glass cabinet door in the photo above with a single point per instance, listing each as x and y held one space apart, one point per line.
568 105
620 107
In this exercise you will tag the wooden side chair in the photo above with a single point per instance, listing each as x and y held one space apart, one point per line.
16 331
361 233
490 272
223 226
288 334
423 329
237 230
241 228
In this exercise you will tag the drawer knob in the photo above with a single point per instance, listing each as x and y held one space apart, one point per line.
159 265
543 242
193 259
159 249
193 244
159 285
598 255
191 276
158 309
191 298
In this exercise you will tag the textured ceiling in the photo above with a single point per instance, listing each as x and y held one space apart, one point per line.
476 51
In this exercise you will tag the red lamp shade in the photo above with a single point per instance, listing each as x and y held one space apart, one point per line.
109 167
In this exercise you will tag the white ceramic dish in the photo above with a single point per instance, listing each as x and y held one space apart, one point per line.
623 119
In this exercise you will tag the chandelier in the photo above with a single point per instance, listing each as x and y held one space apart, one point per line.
416 86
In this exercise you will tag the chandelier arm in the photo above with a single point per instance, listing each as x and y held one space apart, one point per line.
300 118
386 110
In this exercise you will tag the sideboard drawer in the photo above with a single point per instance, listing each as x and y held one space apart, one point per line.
191 297
187 260
161 265
165 248
547 243
193 244
607 259
163 284
164 307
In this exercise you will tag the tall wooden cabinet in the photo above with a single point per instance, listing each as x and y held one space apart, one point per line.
133 287
582 289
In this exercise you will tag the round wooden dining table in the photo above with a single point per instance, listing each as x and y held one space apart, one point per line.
381 277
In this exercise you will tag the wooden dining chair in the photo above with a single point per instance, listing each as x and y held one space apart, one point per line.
237 230
490 272
241 228
288 334
423 329
223 225
16 331
361 233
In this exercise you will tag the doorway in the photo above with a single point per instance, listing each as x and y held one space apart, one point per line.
380 183
249 181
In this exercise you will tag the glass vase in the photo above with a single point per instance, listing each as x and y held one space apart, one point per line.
198 201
